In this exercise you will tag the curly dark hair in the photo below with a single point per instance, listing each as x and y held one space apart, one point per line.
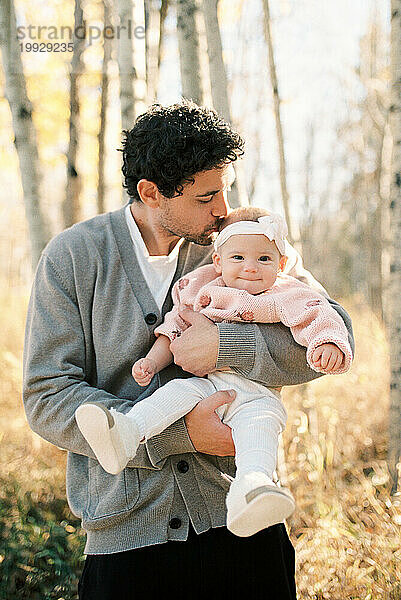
169 145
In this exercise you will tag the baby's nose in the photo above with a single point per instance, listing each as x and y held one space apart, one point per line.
250 267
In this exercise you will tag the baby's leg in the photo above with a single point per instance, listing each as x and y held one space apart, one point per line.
168 404
256 427
114 437
254 501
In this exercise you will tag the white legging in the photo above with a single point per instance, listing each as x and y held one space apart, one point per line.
256 416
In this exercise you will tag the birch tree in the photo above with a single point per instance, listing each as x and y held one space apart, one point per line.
154 27
279 128
126 63
188 44
394 449
70 208
219 85
163 14
217 69
104 95
24 130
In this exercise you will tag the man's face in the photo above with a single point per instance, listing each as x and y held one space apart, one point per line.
196 214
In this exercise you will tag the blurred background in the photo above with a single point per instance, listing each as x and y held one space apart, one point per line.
312 86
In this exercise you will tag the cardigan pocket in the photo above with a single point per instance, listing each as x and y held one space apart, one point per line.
110 497
226 464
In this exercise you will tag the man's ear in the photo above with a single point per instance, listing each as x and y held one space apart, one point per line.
148 193
282 263
217 262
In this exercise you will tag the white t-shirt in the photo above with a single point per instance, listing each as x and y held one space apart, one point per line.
157 270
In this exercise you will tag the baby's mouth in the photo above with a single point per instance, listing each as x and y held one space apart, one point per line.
247 279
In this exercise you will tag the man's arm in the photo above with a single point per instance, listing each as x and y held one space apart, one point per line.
55 373
267 352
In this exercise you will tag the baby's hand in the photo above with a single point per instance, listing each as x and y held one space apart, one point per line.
143 370
328 357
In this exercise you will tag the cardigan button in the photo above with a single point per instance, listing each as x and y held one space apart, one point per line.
175 523
151 319
183 466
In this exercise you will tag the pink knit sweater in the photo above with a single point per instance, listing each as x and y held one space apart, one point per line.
307 313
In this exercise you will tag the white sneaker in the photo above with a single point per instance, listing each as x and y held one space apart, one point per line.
113 437
255 502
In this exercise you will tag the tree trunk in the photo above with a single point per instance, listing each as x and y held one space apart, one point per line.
126 63
24 130
154 28
279 129
103 112
163 14
70 208
188 44
219 85
217 69
394 449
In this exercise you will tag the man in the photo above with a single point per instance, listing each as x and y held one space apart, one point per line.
100 290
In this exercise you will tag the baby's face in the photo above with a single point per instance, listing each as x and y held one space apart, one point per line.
248 262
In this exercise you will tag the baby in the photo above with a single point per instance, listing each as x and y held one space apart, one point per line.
245 283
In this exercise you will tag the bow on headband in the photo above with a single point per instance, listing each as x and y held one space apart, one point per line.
272 226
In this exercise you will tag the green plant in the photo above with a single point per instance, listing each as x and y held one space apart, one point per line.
41 547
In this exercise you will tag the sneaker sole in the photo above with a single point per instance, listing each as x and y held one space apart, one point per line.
266 506
95 423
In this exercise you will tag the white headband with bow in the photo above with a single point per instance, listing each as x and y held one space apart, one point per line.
272 226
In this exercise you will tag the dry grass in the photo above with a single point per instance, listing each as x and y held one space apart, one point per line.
35 464
346 529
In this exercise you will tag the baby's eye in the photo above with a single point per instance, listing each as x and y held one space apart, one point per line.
238 257
265 258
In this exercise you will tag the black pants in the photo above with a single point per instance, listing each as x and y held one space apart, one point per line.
215 564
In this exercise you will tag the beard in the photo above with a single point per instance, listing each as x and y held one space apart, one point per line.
204 238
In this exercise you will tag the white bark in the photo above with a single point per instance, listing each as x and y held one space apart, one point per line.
279 128
217 69
126 63
70 208
163 14
188 43
219 86
154 25
24 130
394 449
104 95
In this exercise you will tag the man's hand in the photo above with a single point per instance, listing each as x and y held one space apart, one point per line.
197 347
328 357
208 434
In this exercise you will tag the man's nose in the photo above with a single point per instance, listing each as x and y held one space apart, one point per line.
221 208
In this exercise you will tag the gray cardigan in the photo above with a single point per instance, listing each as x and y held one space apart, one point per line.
90 317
